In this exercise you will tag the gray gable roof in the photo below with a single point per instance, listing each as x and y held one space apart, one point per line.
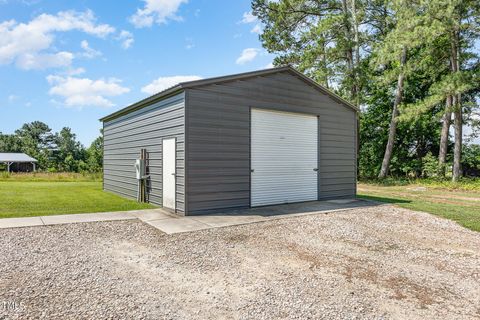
16 157
197 83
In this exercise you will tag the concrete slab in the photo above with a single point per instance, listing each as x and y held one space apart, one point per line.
178 225
228 220
20 222
253 215
87 217
170 223
149 215
342 201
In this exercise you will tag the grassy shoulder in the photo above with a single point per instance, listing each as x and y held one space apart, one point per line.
25 197
456 201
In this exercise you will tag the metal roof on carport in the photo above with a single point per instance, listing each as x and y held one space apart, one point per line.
16 157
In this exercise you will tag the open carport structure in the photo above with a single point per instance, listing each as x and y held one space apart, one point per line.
20 161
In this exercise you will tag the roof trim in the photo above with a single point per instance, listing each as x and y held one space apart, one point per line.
18 157
140 104
197 83
324 90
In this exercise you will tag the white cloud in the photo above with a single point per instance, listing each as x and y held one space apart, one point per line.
12 98
26 44
127 39
256 29
29 61
248 17
156 11
247 55
74 71
163 83
81 92
89 52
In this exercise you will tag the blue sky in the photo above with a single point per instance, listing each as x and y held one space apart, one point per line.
68 63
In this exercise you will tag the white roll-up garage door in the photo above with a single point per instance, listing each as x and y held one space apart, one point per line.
284 157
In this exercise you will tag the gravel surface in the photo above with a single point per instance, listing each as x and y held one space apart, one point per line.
370 263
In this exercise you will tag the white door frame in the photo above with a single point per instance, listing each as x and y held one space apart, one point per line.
169 178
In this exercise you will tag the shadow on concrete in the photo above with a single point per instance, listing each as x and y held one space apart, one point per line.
301 208
383 199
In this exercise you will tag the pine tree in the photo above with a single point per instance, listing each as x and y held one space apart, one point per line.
321 38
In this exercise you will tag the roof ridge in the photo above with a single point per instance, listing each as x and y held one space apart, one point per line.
231 77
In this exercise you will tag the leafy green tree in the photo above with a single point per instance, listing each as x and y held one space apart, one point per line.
36 140
55 151
398 55
471 160
451 28
69 152
95 155
415 138
10 143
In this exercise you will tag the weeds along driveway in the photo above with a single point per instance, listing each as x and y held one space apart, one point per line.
381 262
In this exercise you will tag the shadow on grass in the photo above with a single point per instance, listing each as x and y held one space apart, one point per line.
383 199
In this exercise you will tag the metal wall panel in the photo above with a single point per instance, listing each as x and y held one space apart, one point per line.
218 138
145 128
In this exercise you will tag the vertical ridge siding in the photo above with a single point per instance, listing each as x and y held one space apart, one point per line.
145 128
218 141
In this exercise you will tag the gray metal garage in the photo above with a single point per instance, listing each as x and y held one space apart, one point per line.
259 138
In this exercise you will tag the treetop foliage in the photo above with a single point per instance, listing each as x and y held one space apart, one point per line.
58 151
354 47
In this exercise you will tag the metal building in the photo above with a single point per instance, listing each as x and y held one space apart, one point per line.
266 137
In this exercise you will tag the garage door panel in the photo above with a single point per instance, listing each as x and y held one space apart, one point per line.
284 154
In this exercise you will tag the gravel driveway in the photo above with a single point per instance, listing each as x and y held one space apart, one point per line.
370 263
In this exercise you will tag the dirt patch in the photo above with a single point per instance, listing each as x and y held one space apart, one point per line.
422 192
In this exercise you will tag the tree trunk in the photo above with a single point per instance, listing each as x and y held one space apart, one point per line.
356 39
442 155
457 152
457 113
324 63
393 122
347 25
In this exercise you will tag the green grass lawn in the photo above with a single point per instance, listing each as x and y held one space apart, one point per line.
460 203
24 198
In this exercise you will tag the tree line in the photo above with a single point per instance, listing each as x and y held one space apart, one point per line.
55 151
411 66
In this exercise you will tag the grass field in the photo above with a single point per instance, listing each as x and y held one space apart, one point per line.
23 195
459 202
50 194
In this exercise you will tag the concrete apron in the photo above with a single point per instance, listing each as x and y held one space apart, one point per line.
170 223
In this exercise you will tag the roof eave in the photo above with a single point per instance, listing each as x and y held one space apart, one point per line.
140 104
238 76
